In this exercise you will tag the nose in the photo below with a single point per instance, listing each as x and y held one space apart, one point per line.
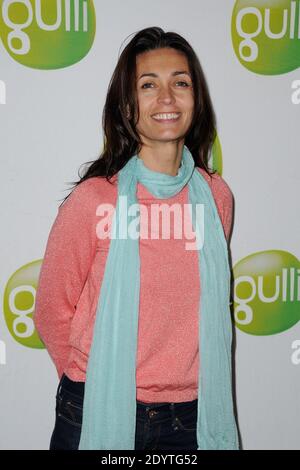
166 95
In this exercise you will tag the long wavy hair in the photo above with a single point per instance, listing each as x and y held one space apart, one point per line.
121 114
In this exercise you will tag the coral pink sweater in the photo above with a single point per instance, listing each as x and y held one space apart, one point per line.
69 287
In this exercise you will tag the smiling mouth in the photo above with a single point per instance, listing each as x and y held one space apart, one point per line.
166 117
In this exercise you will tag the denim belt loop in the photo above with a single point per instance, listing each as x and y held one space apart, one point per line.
174 419
59 388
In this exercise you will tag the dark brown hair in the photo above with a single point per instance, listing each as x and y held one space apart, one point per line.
121 140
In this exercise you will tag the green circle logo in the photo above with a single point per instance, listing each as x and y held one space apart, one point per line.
266 35
47 35
18 305
216 155
267 292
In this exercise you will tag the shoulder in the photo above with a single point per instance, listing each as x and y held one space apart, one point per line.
91 192
223 198
219 187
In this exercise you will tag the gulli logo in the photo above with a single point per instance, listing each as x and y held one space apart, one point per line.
266 35
47 34
216 156
267 292
19 302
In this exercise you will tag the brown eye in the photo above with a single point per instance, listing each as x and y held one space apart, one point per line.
184 83
145 85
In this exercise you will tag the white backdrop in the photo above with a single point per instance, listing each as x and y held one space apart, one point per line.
51 123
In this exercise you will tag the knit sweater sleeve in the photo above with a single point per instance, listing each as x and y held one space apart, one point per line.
69 253
224 200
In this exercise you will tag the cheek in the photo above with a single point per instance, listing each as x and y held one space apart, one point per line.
191 109
144 106
190 103
144 121
144 100
186 103
145 116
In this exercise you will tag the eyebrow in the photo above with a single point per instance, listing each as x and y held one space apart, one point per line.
178 72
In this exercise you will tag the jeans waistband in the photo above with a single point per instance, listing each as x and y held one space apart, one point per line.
73 387
77 388
167 405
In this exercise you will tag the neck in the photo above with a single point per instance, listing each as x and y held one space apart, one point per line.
164 157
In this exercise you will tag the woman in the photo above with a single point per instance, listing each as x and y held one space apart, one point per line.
124 318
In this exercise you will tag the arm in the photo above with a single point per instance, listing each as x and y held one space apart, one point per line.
69 253
223 198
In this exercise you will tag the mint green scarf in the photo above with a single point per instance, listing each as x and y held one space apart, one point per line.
109 410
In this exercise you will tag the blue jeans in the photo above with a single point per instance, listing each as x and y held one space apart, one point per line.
159 426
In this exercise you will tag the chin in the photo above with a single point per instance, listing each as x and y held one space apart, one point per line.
165 136
172 138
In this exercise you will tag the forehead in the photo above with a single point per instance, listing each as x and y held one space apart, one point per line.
161 60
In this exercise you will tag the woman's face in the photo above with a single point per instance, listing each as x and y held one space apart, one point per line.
165 96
